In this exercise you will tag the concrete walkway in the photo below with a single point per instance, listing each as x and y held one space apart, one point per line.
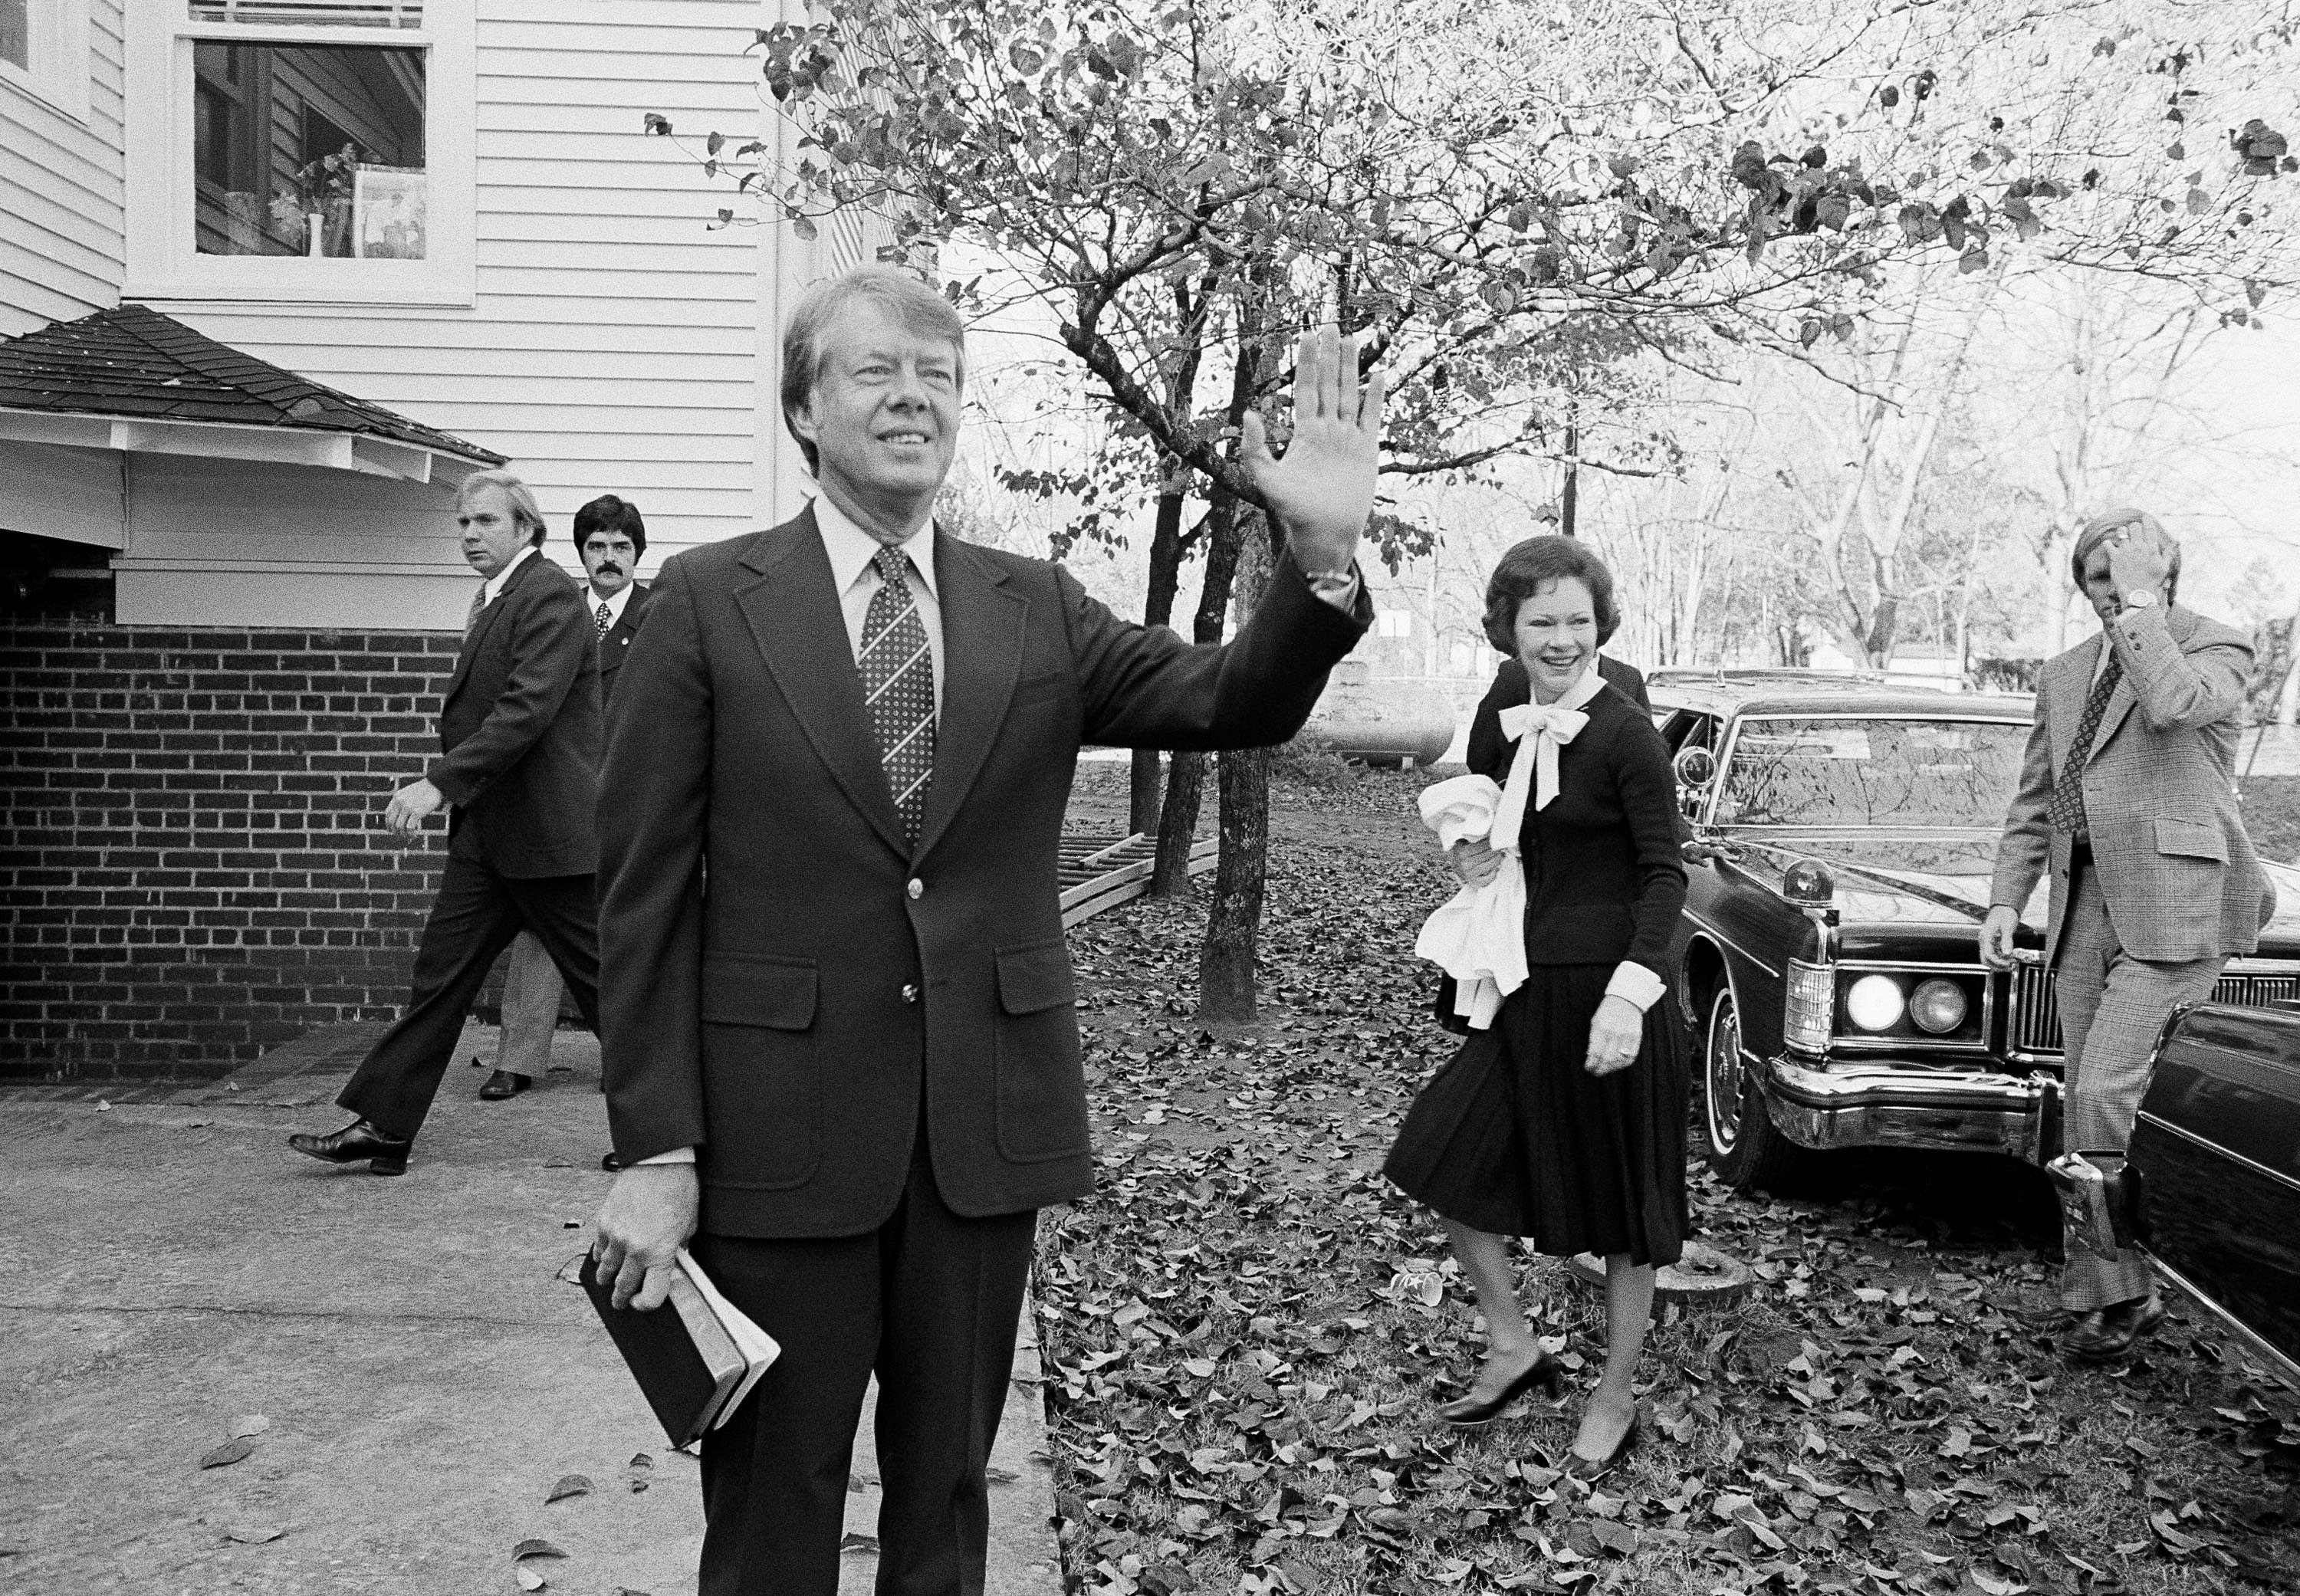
168 1268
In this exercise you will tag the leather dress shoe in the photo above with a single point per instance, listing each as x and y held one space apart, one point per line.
2109 1332
504 1082
1467 1413
611 1164
386 1155
1591 1470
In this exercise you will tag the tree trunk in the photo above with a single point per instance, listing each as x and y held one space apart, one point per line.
1569 501
2288 706
1179 819
1166 542
1226 985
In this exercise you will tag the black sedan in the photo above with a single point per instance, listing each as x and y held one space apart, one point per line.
1841 838
2217 1151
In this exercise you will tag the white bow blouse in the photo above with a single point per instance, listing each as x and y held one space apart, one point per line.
1477 935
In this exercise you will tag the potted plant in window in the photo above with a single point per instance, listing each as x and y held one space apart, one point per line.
313 212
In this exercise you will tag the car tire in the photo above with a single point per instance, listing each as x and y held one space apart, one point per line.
1743 1145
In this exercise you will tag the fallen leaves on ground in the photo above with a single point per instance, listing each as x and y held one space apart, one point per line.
247 1535
231 1452
569 1485
534 1546
1244 1328
248 1425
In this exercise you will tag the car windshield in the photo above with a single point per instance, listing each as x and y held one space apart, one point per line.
1821 771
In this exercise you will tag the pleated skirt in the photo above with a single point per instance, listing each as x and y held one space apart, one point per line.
1515 1137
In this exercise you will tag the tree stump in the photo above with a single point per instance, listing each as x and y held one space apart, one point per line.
1704 1278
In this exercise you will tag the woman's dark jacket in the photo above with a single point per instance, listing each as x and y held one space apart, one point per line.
1604 878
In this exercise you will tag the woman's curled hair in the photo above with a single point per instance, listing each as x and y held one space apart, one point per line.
1534 564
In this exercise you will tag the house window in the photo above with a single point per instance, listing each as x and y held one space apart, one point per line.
43 51
316 150
308 152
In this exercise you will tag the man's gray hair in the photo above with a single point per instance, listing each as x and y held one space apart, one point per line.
2095 532
918 307
524 510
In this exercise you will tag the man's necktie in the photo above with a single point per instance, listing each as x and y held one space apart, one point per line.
2068 806
478 607
898 688
605 619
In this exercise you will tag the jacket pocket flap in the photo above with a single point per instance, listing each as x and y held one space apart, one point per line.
1035 976
2191 839
759 991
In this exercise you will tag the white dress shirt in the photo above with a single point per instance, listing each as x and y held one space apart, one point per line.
616 602
493 586
851 550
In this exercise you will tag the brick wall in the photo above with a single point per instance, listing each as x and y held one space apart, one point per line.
192 864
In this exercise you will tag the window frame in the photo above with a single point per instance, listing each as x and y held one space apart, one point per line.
57 69
162 190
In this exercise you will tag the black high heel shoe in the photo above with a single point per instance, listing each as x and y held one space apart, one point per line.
1591 1470
1467 1413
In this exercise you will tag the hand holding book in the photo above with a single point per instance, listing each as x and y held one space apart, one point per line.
649 1213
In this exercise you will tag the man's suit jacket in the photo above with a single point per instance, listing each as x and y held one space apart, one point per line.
615 647
781 964
518 730
2176 869
1510 681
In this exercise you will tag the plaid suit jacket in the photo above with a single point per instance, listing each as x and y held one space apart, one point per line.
2179 873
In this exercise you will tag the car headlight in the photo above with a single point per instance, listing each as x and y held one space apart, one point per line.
1937 1006
1875 1004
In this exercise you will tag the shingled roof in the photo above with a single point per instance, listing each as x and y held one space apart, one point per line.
135 363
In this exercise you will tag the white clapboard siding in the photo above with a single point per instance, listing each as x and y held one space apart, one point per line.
612 345
62 252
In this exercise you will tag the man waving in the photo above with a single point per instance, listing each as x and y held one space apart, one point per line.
840 1039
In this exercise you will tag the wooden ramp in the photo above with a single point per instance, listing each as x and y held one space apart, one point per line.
1099 873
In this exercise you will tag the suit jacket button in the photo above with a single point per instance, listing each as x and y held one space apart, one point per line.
916 886
910 992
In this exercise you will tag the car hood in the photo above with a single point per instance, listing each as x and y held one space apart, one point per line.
1931 877
1942 879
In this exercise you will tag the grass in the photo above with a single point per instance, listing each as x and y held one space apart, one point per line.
1245 1328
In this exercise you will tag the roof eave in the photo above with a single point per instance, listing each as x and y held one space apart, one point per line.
367 453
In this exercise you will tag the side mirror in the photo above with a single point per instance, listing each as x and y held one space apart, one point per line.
1695 767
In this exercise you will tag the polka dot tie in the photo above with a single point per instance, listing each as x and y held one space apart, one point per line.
605 619
898 688
2067 807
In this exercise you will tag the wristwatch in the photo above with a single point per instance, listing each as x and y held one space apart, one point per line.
2140 598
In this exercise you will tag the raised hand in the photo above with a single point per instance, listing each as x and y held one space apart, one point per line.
1322 490
2139 562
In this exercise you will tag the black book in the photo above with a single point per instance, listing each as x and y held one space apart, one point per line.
695 1358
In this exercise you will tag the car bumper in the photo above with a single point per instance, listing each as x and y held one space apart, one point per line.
1880 1104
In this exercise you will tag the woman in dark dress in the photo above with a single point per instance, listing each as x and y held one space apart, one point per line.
1564 1121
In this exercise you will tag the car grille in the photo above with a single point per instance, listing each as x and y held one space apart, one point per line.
2035 1024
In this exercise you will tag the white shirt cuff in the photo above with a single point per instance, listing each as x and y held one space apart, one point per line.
676 1155
1635 982
1341 590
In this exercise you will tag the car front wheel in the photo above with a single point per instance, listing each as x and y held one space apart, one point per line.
1744 1148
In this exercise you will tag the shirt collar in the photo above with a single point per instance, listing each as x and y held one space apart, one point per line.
615 604
494 584
851 548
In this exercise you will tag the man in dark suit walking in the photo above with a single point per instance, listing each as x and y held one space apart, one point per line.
610 535
518 734
841 1052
